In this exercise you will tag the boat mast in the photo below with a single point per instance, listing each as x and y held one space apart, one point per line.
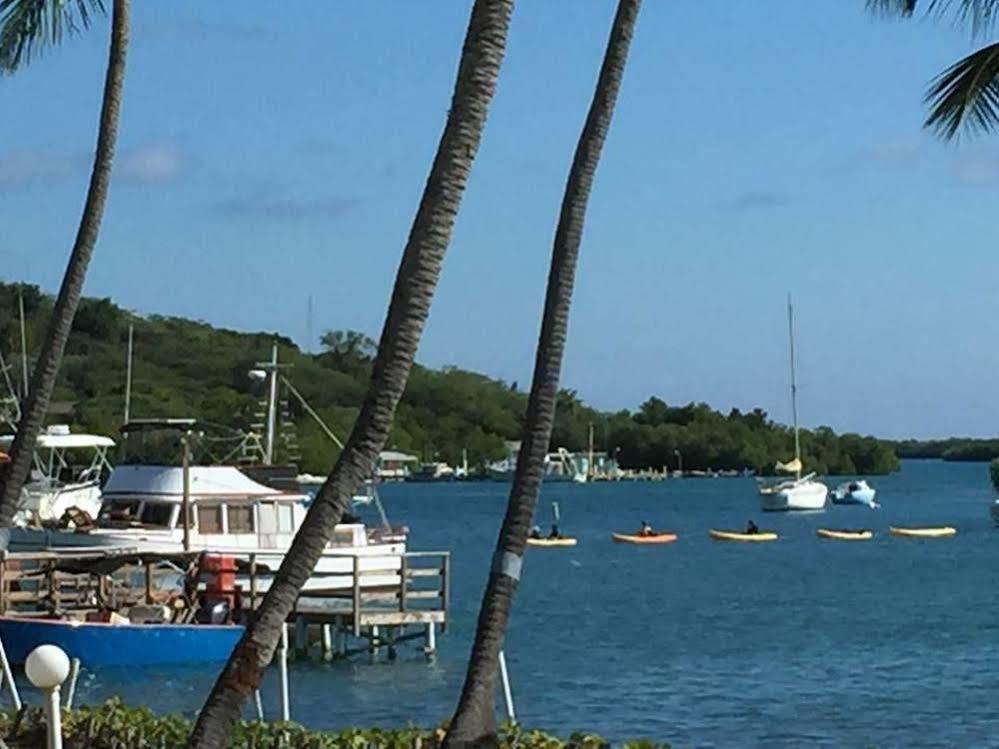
271 407
128 374
794 387
24 346
589 461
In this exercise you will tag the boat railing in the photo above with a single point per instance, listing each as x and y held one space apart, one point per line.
412 585
391 589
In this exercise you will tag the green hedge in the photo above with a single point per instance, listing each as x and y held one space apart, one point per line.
114 725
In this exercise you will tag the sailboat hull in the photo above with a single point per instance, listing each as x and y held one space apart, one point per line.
794 496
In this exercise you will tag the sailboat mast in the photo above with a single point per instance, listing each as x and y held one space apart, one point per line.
271 408
794 386
128 374
24 346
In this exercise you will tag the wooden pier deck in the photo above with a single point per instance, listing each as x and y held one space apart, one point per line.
365 610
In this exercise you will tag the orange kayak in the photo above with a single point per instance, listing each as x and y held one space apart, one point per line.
658 538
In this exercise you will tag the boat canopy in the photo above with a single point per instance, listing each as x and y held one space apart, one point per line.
207 482
63 441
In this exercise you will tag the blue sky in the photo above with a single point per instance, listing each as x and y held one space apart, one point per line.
270 153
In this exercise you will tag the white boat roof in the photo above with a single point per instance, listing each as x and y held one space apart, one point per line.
63 441
221 482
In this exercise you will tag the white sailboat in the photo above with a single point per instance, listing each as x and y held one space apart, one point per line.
801 492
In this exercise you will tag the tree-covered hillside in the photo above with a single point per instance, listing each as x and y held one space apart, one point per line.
184 368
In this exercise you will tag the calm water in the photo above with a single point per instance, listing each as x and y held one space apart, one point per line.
800 642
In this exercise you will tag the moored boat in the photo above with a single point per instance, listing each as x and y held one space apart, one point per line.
857 492
845 534
655 538
800 493
120 644
942 531
726 535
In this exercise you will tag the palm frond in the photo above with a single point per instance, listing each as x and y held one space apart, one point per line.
966 95
979 15
892 8
27 26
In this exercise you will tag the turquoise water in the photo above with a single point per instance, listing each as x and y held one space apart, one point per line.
801 642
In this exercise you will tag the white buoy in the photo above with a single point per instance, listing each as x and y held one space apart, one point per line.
47 667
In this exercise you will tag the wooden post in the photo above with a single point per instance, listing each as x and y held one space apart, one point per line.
149 582
403 577
446 589
9 678
185 507
357 596
74 675
3 582
327 642
301 636
431 646
373 644
253 582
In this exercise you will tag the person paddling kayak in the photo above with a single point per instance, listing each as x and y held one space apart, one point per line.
646 530
751 529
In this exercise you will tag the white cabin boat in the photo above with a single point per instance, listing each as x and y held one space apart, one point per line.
230 514
66 472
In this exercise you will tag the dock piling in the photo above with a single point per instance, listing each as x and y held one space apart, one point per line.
283 670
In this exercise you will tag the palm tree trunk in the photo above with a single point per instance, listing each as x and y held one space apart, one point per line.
482 54
47 367
474 722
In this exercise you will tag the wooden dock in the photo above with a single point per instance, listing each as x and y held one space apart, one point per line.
345 614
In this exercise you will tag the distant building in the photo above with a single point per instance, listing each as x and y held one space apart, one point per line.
395 466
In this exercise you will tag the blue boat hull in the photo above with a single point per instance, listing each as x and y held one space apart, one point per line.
97 644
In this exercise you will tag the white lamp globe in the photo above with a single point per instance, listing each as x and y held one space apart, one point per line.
47 666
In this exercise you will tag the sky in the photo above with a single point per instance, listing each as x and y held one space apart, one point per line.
269 153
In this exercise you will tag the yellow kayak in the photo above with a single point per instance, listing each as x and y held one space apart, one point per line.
942 531
656 538
845 534
758 537
551 542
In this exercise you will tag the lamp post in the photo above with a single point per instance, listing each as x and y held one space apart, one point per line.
47 667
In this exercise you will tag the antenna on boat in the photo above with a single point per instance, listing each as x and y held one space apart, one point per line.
794 387
128 373
24 344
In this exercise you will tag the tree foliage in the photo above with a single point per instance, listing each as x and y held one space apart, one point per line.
186 368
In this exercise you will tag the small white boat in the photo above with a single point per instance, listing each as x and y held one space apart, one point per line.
857 492
66 472
802 494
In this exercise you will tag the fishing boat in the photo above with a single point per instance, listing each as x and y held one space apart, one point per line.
857 492
802 492
943 531
227 512
758 537
66 473
845 534
634 538
559 466
120 643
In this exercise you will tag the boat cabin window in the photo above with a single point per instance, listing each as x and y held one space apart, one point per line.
209 518
240 518
121 509
156 513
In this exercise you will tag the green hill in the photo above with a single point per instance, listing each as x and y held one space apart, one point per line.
187 368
